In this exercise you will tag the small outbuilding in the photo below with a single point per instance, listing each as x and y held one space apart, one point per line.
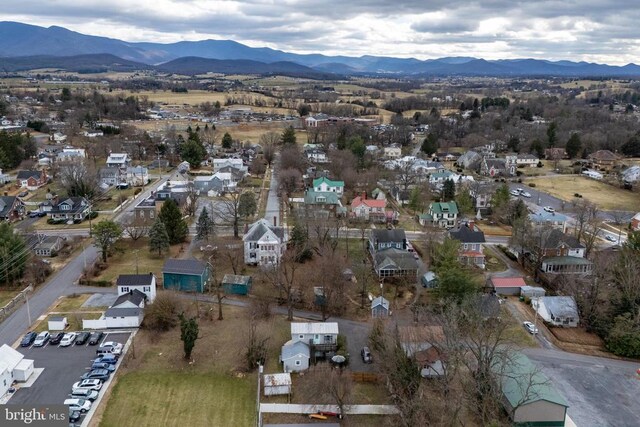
188 275
429 280
277 384
58 323
532 291
236 284
506 285
380 308
295 356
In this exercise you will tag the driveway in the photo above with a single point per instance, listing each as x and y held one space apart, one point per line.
272 212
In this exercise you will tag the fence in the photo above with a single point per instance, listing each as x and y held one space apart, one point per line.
94 324
364 377
11 305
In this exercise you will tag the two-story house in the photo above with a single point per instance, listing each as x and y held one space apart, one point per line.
110 176
368 209
137 176
70 209
380 239
32 180
316 155
327 202
440 214
70 154
321 335
118 160
145 283
471 240
11 208
326 185
604 159
559 253
526 159
264 244
393 151
390 253
551 219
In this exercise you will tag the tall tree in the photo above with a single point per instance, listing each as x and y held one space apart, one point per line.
158 238
13 254
227 141
430 144
188 334
171 216
247 205
193 152
289 136
574 145
105 235
448 190
227 211
204 226
552 134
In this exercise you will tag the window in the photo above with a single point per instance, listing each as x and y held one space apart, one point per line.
147 289
298 363
151 214
125 289
301 336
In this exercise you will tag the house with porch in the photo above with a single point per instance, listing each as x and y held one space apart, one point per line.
368 209
327 202
264 243
118 160
526 159
471 239
604 159
440 214
48 246
326 185
322 336
380 239
558 310
70 209
137 176
552 219
110 176
392 262
144 283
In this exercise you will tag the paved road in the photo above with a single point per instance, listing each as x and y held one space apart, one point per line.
61 283
273 201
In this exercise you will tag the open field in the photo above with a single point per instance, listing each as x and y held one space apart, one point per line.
7 295
605 196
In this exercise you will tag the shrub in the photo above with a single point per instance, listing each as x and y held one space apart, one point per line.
532 184
93 215
162 315
539 165
137 191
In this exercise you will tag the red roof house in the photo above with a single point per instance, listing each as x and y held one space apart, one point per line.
506 285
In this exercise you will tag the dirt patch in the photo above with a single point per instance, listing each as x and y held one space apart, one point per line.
577 336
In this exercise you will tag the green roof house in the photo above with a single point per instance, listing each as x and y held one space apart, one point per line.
325 185
441 214
236 284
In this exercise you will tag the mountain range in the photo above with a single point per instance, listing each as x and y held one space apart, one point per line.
24 47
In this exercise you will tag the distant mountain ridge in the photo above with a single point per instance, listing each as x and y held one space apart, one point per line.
19 40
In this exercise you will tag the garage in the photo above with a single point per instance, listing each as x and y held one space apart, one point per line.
506 285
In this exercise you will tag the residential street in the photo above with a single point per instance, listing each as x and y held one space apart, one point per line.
273 201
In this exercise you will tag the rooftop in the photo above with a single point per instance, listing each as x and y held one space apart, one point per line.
184 266
299 328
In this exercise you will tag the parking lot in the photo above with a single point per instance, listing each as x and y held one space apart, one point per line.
63 366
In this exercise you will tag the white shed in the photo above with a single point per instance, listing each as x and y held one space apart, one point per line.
23 370
13 367
58 323
277 384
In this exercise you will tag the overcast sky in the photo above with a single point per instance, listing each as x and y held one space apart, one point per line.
606 31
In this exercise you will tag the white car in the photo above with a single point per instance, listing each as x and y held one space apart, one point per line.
41 339
81 405
525 194
530 327
90 384
68 339
111 347
608 237
514 192
549 209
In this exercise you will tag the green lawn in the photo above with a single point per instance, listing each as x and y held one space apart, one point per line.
181 399
6 296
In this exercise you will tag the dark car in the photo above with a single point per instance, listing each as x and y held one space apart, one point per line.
366 355
33 214
103 365
74 416
82 338
28 339
23 193
55 339
95 338
111 359
42 214
96 374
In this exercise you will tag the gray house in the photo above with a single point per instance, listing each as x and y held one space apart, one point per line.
380 307
204 184
381 239
295 356
558 310
49 246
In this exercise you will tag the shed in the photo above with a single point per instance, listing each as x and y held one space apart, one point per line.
58 323
429 280
380 307
277 384
295 356
236 284
23 370
532 291
506 285
529 398
185 275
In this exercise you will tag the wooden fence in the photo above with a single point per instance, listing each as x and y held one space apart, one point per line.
365 377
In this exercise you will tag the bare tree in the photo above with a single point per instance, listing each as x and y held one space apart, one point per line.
269 142
330 282
228 212
326 385
282 276
406 175
136 228
191 202
290 180
78 179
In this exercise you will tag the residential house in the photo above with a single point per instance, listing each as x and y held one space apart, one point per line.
11 208
320 336
264 244
110 176
137 176
146 210
567 265
506 285
126 312
93 133
209 184
380 239
368 209
441 177
471 240
316 155
558 310
326 185
555 153
525 159
604 159
421 343
32 180
380 307
71 154
529 396
326 202
482 195
235 163
58 138
630 175
499 167
470 160
235 174
316 121
295 356
555 243
13 367
393 151
70 209
635 222
550 219
48 246
144 283
236 284
401 195
4 178
187 275
118 160
440 214
394 262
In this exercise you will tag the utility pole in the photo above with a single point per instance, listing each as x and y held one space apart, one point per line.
26 295
136 251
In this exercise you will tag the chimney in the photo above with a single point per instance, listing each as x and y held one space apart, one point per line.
364 195
275 221
471 225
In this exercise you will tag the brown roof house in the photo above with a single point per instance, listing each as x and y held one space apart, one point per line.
604 159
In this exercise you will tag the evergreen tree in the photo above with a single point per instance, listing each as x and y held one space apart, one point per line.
247 205
204 226
158 237
574 145
289 136
430 144
12 251
171 216
552 134
193 152
464 202
300 241
448 190
514 144
188 334
227 141
537 148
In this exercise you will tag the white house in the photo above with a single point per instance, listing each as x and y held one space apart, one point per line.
137 176
557 310
70 153
326 185
393 152
145 283
295 356
119 160
264 243
58 137
277 384
93 133
126 312
235 163
316 155
525 159
13 367
316 333
592 174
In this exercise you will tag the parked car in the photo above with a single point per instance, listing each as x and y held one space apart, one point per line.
74 416
42 214
55 339
23 193
95 338
109 358
81 405
91 384
110 347
525 194
84 393
530 327
103 365
82 338
28 339
33 214
41 339
68 339
514 192
96 374
366 355
549 209
609 238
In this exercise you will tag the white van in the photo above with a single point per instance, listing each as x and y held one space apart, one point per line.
84 393
81 405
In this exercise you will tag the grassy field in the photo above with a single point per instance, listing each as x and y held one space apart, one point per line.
6 296
605 196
